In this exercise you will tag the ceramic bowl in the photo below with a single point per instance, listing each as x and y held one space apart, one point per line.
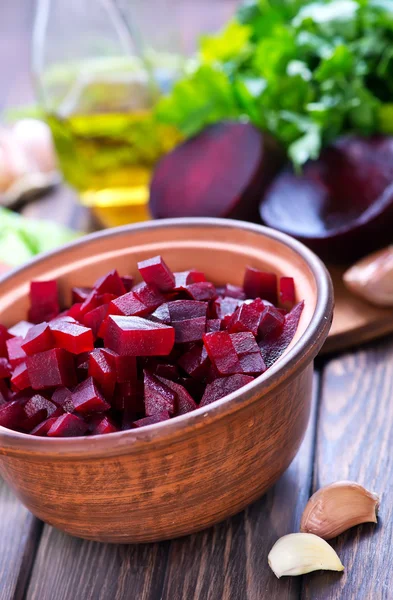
183 475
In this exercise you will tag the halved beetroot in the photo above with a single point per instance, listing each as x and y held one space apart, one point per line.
341 206
219 173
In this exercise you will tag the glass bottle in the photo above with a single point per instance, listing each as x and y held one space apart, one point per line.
98 90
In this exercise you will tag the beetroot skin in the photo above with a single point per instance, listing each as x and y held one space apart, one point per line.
128 355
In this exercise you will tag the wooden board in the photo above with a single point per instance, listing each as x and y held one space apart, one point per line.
355 321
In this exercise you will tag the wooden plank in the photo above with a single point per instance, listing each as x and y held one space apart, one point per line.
354 441
229 562
19 536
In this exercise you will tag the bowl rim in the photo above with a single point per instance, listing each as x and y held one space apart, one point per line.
296 357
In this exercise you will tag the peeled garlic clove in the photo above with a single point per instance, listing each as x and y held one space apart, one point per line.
35 138
372 278
13 161
337 507
300 553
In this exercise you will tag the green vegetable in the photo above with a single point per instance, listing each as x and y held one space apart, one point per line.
304 71
21 238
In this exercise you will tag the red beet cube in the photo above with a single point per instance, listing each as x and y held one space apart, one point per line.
72 337
75 312
195 362
185 278
134 336
158 396
225 307
20 377
4 336
38 339
68 426
271 323
185 310
128 305
95 318
44 299
102 368
128 282
184 403
5 368
166 370
222 352
43 428
156 272
62 397
156 418
223 386
258 284
20 329
149 295
234 291
125 368
247 317
111 283
87 398
273 346
287 292
189 330
161 314
16 354
104 425
36 410
203 291
11 414
79 294
128 397
213 325
51 369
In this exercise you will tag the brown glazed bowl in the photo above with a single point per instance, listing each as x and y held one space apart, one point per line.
183 475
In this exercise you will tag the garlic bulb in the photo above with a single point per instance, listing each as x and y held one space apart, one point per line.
372 278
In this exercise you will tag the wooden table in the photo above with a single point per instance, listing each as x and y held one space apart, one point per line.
350 436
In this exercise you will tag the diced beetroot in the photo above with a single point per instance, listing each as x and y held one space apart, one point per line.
195 362
166 370
102 368
258 284
203 291
111 283
128 282
223 386
44 301
182 310
213 325
158 396
87 398
20 377
184 403
128 305
222 353
149 295
105 425
5 368
189 330
185 278
125 368
225 307
234 291
161 314
134 336
95 318
156 272
38 339
247 317
62 397
51 369
43 428
128 397
271 323
287 292
68 426
79 294
11 414
20 329
75 311
156 418
244 343
16 354
36 410
4 336
92 301
252 364
273 346
72 337
249 354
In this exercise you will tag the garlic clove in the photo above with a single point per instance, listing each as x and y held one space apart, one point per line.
338 507
300 553
35 139
372 278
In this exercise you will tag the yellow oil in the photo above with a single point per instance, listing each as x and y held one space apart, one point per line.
109 155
